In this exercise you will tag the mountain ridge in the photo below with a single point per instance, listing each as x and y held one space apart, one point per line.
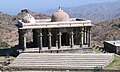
95 12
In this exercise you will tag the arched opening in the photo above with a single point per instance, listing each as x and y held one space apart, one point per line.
65 39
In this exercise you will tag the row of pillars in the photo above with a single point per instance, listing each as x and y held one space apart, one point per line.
85 34
22 38
59 39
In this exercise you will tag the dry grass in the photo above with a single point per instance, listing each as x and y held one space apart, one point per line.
115 64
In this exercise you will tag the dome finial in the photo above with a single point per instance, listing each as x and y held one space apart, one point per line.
59 9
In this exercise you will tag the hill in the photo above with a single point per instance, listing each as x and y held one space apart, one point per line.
108 30
95 12
7 25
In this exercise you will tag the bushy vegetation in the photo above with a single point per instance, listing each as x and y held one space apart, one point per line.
116 25
3 44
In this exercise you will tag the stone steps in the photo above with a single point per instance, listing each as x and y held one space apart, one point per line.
61 61
64 61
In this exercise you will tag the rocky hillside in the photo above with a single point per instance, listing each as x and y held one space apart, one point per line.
8 30
7 25
108 30
95 12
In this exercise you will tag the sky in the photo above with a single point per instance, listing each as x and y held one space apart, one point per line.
15 6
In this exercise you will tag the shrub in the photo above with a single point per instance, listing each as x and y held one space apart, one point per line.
4 44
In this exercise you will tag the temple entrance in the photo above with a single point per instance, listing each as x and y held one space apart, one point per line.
65 39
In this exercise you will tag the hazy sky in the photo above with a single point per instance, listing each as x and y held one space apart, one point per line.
14 6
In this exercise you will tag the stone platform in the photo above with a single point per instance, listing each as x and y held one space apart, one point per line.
63 49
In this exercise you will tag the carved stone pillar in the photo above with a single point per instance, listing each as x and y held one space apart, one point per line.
71 39
59 40
22 38
89 44
85 36
25 46
49 39
40 39
81 35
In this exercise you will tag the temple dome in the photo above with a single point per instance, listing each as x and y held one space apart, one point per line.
28 19
59 15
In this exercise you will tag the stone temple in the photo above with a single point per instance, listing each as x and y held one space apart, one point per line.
59 43
59 32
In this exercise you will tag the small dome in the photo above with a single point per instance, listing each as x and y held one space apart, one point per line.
28 19
59 15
